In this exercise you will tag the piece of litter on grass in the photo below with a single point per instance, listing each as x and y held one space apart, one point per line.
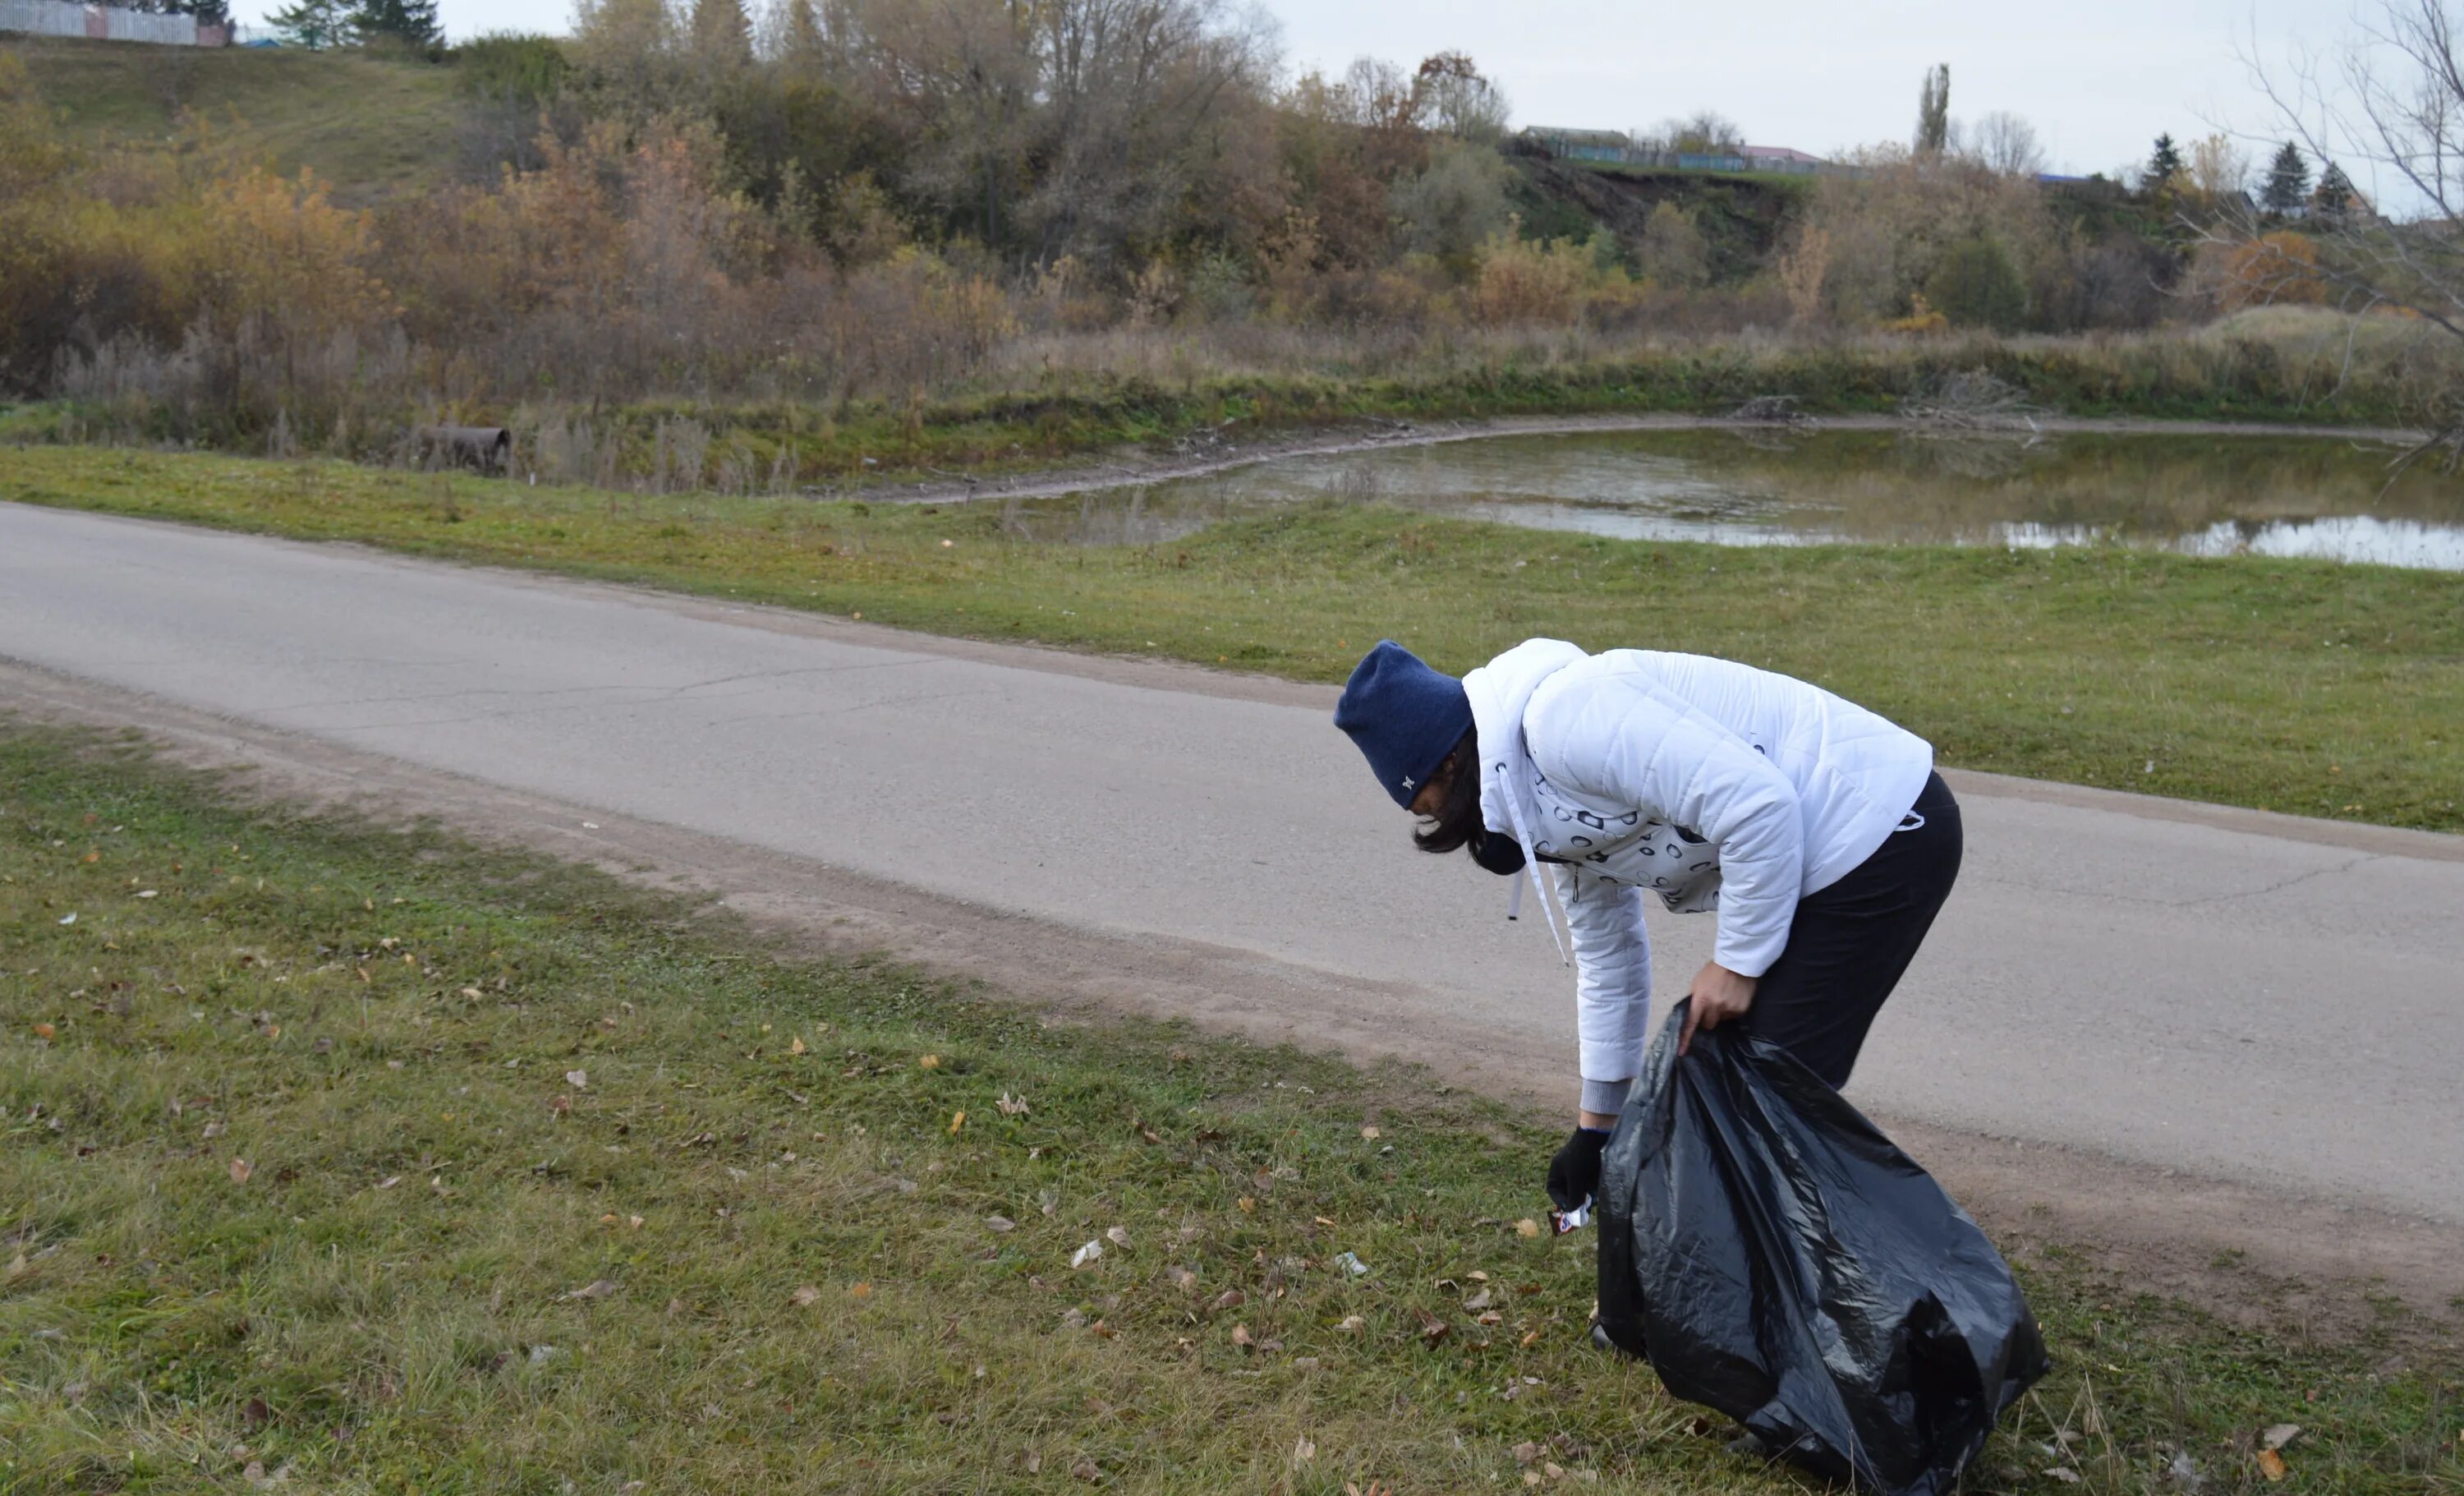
1118 1236
1001 1223
2064 1474
596 1289
578 1079
67 919
540 1354
1353 1325
1351 1263
804 1296
2279 1435
1087 1254
147 894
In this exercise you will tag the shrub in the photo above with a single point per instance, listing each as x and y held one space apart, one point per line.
1975 285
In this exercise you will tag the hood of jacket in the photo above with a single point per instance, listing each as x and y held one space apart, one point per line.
1498 693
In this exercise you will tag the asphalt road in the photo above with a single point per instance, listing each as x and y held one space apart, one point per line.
2275 1004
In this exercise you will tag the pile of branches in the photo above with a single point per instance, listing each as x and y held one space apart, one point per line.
1972 401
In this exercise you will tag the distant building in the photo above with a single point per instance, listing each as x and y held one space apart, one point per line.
1782 158
1581 144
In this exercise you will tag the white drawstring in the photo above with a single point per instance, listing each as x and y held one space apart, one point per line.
1532 865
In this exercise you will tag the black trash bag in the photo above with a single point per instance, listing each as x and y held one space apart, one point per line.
1774 1257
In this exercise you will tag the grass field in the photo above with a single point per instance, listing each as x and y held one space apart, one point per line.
2296 685
369 127
370 1162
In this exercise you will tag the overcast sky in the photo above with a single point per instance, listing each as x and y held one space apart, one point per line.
2099 79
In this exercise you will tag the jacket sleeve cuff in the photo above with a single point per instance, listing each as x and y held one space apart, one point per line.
1606 1096
1751 958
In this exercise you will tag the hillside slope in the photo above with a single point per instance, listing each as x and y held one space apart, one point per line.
371 127
1741 216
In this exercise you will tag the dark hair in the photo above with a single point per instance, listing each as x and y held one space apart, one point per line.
1458 819
1459 823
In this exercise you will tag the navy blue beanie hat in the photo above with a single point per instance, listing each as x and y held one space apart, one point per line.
1405 717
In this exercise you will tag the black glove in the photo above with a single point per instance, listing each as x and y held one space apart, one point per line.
1575 1173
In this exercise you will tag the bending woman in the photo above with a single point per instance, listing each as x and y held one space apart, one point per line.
1818 830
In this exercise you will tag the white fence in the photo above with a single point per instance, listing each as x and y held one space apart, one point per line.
109 23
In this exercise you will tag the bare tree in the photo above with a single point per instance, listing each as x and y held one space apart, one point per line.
1703 132
2008 144
1455 99
2389 101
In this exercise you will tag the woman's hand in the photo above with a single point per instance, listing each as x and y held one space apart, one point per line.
1717 996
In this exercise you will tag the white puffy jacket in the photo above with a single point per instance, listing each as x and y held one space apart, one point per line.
1588 760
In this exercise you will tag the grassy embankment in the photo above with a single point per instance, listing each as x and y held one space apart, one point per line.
1053 400
2296 685
369 126
386 1164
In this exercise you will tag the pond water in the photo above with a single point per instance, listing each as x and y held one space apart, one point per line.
2198 495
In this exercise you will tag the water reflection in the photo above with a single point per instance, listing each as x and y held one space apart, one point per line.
2202 496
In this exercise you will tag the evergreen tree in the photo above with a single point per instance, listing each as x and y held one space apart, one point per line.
1933 111
800 31
2165 167
722 35
2288 182
2335 197
410 22
314 24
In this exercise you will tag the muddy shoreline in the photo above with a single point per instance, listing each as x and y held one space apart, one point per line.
1211 451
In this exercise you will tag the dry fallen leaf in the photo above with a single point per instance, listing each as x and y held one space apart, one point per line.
805 1295
44 1030
389 1181
596 1289
2064 1474
1492 1318
1246 1203
240 1170
1228 1299
1526 1227
1369 1133
859 1290
1240 1337
1084 1470
1304 1449
1477 1302
931 1062
1088 1253
578 1079
2271 1464
795 1047
1001 1223
957 1120
1118 1236
1012 1105
1530 1338
2278 1436
1353 1325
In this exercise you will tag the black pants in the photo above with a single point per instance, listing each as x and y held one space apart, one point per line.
1851 942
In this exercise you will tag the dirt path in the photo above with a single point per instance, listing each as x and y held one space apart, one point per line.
1213 452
